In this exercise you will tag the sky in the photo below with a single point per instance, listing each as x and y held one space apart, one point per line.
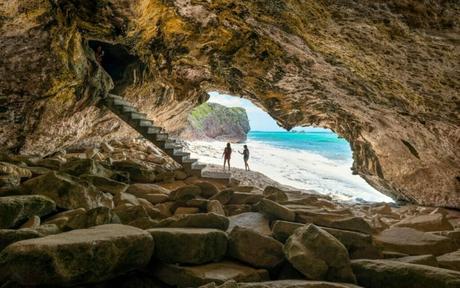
259 120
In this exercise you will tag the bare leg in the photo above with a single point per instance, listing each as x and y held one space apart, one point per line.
228 164
225 160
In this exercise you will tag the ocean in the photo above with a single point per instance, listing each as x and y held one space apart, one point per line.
318 161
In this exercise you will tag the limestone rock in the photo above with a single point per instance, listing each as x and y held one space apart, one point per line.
413 242
186 210
106 185
429 222
93 217
207 189
224 196
67 192
13 170
77 167
33 222
276 211
185 193
450 260
15 209
136 171
214 206
200 220
296 284
255 249
318 255
428 260
251 220
245 198
194 276
141 189
77 257
393 274
189 245
9 236
275 194
334 220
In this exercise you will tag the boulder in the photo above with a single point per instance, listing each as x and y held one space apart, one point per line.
413 242
200 220
450 260
68 192
33 222
224 196
189 245
186 210
125 198
334 220
428 260
9 169
16 209
141 189
359 245
214 206
235 209
128 213
105 184
77 167
428 222
393 274
207 189
137 172
254 221
296 284
255 249
275 194
185 193
9 236
194 276
92 217
245 198
62 218
276 211
318 255
77 257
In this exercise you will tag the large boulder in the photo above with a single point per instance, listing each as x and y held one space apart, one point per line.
334 220
428 222
318 255
255 221
200 220
15 209
255 249
137 172
106 184
77 167
77 257
413 242
276 211
9 236
359 245
428 259
68 192
295 284
194 276
185 193
393 274
189 245
93 217
450 260
275 194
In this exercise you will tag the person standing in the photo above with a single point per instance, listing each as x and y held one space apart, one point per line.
227 155
245 154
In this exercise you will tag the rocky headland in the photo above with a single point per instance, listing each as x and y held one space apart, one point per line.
124 215
212 121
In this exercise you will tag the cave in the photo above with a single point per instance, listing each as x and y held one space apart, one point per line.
123 67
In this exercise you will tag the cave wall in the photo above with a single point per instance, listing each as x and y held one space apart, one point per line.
382 74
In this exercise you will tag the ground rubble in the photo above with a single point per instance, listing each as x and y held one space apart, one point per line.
125 215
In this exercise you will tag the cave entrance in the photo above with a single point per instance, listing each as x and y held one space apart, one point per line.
307 158
123 67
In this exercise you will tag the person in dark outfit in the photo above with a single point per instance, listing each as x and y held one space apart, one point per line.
245 154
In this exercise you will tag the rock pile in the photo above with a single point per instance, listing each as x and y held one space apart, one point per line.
123 215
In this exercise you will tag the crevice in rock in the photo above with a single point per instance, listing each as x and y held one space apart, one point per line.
123 67
411 148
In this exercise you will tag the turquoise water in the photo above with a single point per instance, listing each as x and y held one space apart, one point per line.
324 143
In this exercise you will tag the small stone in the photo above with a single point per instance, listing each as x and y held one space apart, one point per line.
189 245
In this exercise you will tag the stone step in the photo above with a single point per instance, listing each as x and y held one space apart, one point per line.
137 115
153 130
162 136
180 156
145 123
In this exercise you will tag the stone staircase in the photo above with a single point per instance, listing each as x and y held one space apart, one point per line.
153 133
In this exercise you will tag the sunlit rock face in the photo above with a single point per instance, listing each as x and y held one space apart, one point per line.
382 74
